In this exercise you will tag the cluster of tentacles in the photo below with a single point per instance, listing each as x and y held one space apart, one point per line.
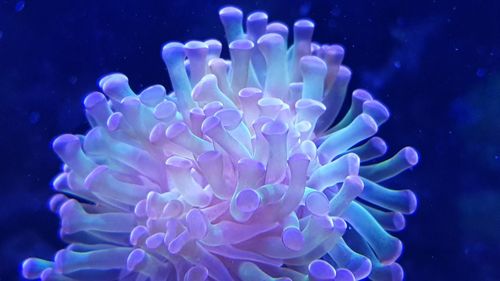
246 171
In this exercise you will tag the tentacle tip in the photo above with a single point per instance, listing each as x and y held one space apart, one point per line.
397 272
344 73
293 238
171 51
30 268
210 157
140 209
65 142
210 124
241 44
206 86
59 183
336 48
152 95
94 176
213 43
247 93
245 163
174 247
353 163
130 103
137 234
197 272
60 259
217 64
277 26
304 25
321 270
157 133
257 16
230 12
154 241
195 45
306 103
69 212
339 225
317 203
92 99
212 108
56 202
413 201
113 83
112 79
377 110
299 157
95 140
313 64
68 207
178 162
362 95
344 274
399 221
274 128
379 144
175 129
247 200
270 40
49 274
197 113
283 279
411 155
197 223
173 208
114 121
355 183
135 258
392 252
229 117
165 110
363 268
369 122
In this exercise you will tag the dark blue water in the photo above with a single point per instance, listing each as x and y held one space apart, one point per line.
435 64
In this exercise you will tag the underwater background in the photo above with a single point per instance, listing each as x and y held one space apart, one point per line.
435 64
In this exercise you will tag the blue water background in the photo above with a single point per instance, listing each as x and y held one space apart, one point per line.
435 64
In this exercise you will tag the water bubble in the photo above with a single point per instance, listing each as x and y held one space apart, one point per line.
73 79
480 72
34 117
19 6
305 9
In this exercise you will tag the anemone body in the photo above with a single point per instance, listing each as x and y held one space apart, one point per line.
245 171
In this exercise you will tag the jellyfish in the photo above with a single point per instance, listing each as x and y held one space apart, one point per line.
245 170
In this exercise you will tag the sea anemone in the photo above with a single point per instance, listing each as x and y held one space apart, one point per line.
246 171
